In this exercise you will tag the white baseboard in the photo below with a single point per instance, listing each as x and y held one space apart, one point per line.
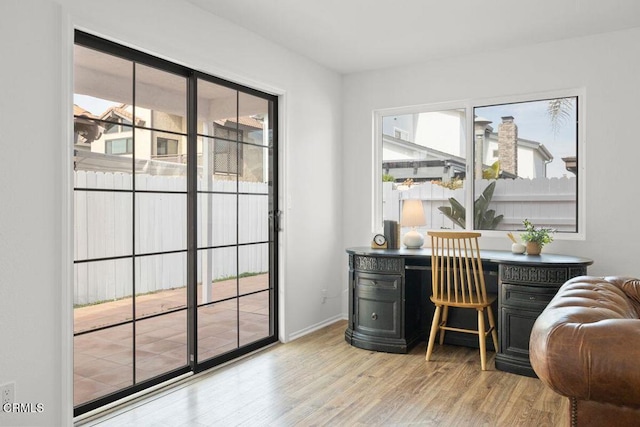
317 326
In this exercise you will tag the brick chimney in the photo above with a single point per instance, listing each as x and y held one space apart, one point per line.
508 145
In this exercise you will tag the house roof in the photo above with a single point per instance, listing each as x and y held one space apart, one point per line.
79 111
121 112
247 121
531 144
432 153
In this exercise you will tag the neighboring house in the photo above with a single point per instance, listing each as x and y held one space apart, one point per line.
105 143
430 146
117 137
521 157
418 162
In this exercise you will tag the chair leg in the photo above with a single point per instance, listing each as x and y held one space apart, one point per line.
445 316
482 340
492 324
434 330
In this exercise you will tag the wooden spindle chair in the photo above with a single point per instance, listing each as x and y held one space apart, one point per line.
458 281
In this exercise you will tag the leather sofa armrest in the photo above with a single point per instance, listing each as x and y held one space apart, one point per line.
582 346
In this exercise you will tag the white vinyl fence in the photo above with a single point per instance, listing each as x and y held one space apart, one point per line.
104 228
549 202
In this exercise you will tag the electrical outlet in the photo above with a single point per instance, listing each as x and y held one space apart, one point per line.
324 296
7 393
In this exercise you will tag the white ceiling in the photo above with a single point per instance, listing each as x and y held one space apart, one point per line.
356 35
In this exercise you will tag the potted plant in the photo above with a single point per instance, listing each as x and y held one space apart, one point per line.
536 237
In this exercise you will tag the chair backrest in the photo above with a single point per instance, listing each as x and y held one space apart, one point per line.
456 268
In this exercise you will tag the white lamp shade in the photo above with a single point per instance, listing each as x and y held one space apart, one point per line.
412 213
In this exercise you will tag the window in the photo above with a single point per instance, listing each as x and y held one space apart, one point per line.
503 161
116 125
166 146
111 128
536 177
437 154
119 146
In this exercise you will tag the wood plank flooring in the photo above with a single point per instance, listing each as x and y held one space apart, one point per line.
320 380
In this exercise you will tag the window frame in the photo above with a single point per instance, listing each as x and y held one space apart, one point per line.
468 106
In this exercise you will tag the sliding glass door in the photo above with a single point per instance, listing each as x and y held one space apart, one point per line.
175 246
235 189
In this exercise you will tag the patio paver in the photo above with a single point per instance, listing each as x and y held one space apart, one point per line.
103 359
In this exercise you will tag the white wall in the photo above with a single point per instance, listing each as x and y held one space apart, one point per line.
36 50
607 66
31 349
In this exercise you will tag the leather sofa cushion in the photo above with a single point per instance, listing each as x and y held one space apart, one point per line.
631 288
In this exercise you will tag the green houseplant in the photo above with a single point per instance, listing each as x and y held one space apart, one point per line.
483 217
536 237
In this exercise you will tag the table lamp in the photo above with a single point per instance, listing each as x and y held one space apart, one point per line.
413 216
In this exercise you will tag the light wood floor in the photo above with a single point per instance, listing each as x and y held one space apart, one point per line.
321 380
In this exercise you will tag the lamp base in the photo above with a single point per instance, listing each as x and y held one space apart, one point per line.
413 240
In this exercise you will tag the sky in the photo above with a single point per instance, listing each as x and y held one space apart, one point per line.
534 124
95 106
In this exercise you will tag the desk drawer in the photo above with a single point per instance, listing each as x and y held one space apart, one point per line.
377 282
378 316
529 297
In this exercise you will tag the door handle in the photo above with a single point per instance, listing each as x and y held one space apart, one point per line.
276 218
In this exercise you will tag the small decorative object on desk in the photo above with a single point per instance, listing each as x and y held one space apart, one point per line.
379 241
536 237
392 233
516 247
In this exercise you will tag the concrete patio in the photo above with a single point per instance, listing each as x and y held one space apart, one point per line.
104 359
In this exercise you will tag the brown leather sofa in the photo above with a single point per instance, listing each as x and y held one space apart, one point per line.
586 346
